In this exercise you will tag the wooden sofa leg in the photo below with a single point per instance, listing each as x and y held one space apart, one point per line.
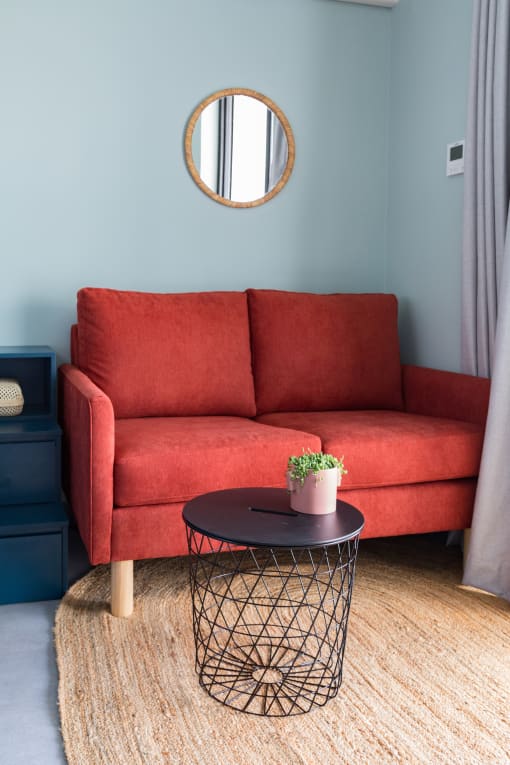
122 588
467 539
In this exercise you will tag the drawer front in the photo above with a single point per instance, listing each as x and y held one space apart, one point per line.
32 567
29 472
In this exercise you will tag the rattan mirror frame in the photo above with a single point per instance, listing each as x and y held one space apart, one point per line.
284 123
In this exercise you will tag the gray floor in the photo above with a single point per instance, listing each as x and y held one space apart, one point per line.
29 724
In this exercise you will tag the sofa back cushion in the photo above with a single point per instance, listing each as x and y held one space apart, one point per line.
324 352
167 354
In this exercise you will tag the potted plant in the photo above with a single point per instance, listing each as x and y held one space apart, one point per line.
312 480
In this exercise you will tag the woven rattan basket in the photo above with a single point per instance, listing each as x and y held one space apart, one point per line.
11 398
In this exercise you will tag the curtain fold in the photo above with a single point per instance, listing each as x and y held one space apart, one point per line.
486 286
278 151
225 146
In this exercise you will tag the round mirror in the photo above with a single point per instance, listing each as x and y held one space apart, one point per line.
239 147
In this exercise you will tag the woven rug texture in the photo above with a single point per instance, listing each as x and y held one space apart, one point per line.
426 675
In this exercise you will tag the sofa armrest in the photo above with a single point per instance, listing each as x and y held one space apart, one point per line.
87 420
445 394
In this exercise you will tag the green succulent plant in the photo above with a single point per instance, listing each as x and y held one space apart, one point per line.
313 462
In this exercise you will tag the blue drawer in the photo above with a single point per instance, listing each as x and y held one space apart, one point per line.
33 553
29 471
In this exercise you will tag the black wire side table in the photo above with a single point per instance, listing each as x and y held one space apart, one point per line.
271 590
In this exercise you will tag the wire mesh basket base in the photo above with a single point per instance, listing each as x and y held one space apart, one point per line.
269 680
270 624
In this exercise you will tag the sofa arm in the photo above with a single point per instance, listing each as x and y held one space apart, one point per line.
87 420
445 394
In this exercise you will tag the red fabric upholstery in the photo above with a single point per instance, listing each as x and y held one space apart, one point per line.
157 354
391 448
86 417
414 508
172 459
154 531
446 394
323 352
149 531
327 375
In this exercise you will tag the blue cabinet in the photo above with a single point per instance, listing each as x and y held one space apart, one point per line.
33 552
29 462
33 521
35 368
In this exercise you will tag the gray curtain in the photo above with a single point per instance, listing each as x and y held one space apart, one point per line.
278 151
225 146
486 286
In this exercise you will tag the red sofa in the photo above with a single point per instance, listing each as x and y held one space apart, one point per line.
172 395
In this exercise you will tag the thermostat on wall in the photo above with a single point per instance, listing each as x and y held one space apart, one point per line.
455 158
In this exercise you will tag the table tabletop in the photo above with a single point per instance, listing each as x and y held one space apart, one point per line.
261 517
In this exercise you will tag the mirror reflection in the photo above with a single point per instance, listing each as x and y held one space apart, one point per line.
239 148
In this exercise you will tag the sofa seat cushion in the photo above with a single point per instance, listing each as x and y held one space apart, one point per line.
384 448
167 354
172 459
324 352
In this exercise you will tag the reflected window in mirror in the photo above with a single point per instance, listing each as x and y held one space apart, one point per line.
239 147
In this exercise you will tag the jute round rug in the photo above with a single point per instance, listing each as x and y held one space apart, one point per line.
426 674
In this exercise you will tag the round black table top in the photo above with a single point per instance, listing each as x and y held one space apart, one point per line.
263 518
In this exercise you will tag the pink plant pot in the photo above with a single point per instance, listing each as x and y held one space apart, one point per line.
317 496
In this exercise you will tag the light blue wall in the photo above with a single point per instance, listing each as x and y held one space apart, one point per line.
429 82
95 95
